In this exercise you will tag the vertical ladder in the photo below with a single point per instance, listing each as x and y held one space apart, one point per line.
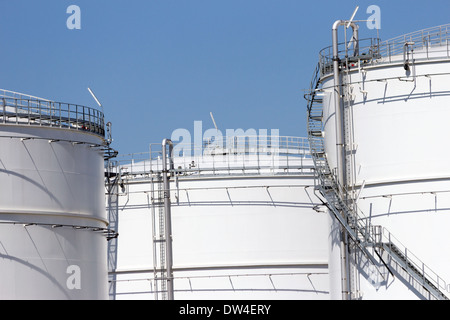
159 238
375 247
113 177
348 132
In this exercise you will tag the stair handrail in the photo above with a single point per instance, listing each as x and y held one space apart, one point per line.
386 238
426 272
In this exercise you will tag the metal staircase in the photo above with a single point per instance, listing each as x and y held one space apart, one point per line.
375 242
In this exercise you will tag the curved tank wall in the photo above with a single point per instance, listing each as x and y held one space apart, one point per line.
52 206
396 158
244 227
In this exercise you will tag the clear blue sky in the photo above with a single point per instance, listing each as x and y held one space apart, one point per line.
159 65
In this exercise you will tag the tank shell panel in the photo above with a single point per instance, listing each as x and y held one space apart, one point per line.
234 237
397 122
52 186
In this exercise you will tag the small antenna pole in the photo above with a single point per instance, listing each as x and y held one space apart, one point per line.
212 117
353 17
354 39
95 98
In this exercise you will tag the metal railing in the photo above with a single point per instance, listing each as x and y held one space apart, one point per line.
226 155
426 38
367 51
17 95
412 262
20 109
435 42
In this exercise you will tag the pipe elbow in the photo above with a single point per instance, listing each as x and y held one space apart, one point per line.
337 23
166 142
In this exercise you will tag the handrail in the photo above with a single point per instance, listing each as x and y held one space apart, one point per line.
387 237
227 156
436 34
17 95
30 111
372 50
238 145
366 50
362 226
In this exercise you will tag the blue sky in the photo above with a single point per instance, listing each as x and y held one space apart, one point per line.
159 65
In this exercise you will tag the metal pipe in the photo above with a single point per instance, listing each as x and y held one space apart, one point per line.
340 138
340 143
168 216
338 105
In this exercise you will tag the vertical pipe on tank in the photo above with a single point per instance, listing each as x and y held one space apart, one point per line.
339 106
339 113
340 143
168 216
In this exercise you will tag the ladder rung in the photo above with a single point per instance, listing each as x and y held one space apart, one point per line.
316 133
319 154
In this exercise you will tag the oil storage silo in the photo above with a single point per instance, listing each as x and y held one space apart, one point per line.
378 124
53 225
243 222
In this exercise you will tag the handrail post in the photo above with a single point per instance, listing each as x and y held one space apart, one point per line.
17 114
29 113
60 116
40 113
49 110
69 120
4 110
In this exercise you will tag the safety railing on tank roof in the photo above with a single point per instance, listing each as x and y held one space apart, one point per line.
434 41
20 109
426 38
365 50
226 155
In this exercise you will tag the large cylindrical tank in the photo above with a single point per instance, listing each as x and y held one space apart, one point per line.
245 224
396 99
52 200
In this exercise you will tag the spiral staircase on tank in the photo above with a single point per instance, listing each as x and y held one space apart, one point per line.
375 242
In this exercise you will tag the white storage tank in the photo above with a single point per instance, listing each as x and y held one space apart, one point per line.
53 225
388 153
244 223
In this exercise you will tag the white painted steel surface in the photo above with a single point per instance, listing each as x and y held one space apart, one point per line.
397 156
52 186
243 228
